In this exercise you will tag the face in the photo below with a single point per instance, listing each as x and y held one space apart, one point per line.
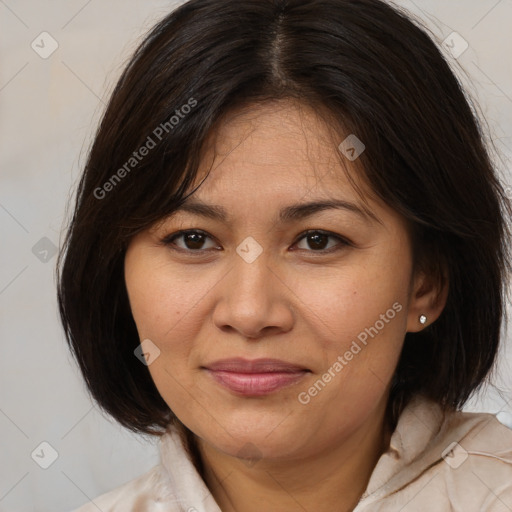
278 300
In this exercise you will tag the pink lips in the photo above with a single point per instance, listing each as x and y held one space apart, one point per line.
257 377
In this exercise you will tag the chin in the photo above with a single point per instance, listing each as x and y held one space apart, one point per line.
251 448
254 438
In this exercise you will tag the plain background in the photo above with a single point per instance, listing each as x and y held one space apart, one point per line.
49 108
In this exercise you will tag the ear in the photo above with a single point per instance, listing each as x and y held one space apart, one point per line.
428 297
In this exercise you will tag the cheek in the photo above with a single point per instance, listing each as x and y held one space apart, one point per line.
342 305
170 308
164 305
359 318
164 301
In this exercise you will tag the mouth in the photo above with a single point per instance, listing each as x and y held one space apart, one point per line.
257 377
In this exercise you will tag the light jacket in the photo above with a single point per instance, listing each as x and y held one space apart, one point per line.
458 461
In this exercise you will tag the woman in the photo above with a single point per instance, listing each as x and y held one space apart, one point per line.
288 260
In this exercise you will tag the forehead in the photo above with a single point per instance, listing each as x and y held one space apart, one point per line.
281 147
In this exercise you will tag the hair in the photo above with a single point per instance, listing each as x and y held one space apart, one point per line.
380 76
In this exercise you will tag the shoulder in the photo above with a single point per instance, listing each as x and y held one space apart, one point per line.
173 485
476 461
477 437
452 460
146 493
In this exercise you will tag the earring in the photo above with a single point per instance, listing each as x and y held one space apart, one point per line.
423 319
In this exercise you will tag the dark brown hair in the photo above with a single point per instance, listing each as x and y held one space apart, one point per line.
375 71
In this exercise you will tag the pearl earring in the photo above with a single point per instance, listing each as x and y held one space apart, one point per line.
423 319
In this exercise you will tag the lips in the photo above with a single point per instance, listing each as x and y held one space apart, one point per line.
240 365
255 377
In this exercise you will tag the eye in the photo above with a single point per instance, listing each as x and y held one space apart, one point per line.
318 241
192 240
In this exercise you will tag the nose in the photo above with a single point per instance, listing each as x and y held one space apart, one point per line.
253 300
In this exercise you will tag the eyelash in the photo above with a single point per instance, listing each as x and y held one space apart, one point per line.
168 241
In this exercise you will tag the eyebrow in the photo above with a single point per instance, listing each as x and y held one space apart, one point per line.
290 213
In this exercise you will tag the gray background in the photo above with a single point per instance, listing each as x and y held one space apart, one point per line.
49 108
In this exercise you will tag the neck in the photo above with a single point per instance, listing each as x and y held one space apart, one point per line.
332 479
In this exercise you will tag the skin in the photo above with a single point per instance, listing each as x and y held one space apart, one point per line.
293 302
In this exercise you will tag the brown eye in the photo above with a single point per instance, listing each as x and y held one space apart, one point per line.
191 240
318 241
